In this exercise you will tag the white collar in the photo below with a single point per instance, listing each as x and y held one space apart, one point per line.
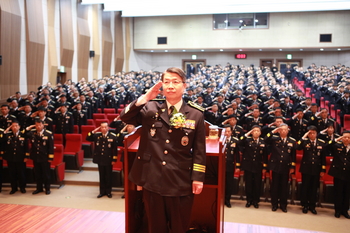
177 105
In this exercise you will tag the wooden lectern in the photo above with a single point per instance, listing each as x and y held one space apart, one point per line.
208 209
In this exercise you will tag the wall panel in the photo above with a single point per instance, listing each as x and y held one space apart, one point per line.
52 51
96 40
66 30
118 43
10 44
35 43
83 37
107 43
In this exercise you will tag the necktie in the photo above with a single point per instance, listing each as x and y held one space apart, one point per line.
171 111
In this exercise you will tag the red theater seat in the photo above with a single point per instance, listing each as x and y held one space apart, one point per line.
86 145
73 153
117 175
109 110
57 166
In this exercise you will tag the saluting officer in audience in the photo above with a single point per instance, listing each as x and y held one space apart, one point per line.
105 155
41 115
328 135
42 154
281 163
16 154
313 165
79 115
298 124
253 163
340 170
5 118
232 156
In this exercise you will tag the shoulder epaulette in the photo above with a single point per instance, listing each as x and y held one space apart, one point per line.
196 106
275 136
98 133
292 139
49 131
33 130
235 138
338 142
321 140
1 129
49 118
250 117
157 100
113 134
305 139
13 116
238 126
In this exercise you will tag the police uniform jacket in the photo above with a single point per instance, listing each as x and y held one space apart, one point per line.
26 120
105 147
254 157
250 121
16 147
232 154
6 121
64 123
314 158
298 129
42 146
282 154
321 125
168 159
340 167
79 117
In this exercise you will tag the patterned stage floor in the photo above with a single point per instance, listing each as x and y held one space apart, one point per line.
27 218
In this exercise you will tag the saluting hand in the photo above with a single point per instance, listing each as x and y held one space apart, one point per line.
150 94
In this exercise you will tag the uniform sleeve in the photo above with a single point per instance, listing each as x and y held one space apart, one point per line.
131 114
199 152
90 137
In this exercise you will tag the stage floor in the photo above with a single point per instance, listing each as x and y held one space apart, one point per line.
30 218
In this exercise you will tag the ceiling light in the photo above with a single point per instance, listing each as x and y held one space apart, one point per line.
221 50
321 49
241 21
260 49
184 50
256 20
151 51
166 51
280 49
202 50
301 49
339 49
240 50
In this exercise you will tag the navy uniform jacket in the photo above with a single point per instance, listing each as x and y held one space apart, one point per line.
340 167
168 159
282 154
5 122
232 154
79 118
105 148
42 149
298 130
16 147
321 125
64 123
314 157
254 157
250 122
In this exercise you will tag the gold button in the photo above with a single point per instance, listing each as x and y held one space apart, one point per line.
166 152
138 157
170 131
167 141
163 163
281 161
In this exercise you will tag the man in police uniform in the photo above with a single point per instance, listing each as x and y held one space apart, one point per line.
313 165
170 162
105 155
281 163
340 170
5 118
254 164
42 153
16 153
232 156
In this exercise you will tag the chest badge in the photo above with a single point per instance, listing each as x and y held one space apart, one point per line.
184 140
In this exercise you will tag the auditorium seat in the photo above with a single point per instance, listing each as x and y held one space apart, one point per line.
333 112
346 122
322 102
98 116
111 116
307 92
117 175
296 178
87 146
338 118
76 129
327 187
57 166
98 122
73 154
327 105
109 110
58 138
91 122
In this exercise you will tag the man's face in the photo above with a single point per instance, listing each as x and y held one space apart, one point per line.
278 122
229 111
173 86
278 112
330 130
312 135
39 126
346 138
214 108
324 114
104 128
27 109
220 99
256 113
284 131
256 132
228 132
41 114
4 110
15 127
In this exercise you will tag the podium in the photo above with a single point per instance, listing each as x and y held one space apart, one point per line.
208 208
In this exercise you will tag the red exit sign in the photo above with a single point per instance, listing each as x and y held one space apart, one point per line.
240 56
